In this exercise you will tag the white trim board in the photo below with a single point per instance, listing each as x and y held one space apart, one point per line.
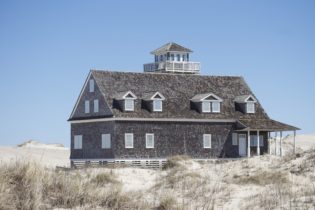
153 119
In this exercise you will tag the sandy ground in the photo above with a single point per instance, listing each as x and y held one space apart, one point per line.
224 180
49 155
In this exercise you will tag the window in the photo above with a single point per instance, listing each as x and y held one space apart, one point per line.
129 104
178 57
87 107
157 105
78 142
253 140
149 140
206 140
128 140
91 85
172 57
234 139
96 105
106 144
184 57
250 107
206 106
215 105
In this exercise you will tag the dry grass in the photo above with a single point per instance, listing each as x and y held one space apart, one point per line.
286 183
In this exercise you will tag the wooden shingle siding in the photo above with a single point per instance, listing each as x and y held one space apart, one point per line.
170 138
103 108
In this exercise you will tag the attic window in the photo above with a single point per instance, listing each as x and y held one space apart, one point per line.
91 85
129 104
209 102
250 107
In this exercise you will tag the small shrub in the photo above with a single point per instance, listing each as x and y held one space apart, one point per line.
263 178
167 202
174 161
104 179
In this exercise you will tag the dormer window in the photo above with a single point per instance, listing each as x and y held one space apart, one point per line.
250 107
129 104
246 104
154 101
207 103
157 105
126 100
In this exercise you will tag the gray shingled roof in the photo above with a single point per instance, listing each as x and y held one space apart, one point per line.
171 47
242 98
178 89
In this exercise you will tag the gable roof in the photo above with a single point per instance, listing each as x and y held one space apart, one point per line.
124 94
205 96
151 96
177 89
171 47
244 98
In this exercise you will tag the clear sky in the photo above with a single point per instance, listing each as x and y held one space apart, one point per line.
48 47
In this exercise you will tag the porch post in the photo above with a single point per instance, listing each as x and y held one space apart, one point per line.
269 141
294 141
280 143
276 143
248 142
258 147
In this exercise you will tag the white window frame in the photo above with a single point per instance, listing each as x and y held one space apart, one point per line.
234 139
87 107
106 141
205 136
129 145
77 142
147 135
155 108
132 104
206 106
218 110
92 85
96 106
248 110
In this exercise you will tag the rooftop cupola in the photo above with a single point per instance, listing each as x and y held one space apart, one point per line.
172 58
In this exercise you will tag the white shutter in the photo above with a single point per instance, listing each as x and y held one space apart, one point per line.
206 140
206 106
157 105
128 140
91 85
149 140
87 106
78 142
106 144
96 105
129 104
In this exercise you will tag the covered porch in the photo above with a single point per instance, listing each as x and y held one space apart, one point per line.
255 136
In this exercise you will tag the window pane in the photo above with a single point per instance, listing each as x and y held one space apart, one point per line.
215 106
96 105
106 144
149 140
78 142
205 106
91 85
207 141
87 107
157 105
250 107
128 140
129 104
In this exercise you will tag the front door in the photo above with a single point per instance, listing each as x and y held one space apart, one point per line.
242 144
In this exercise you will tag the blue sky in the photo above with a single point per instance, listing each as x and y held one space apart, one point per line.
48 47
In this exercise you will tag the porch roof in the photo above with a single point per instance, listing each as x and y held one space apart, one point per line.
265 125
